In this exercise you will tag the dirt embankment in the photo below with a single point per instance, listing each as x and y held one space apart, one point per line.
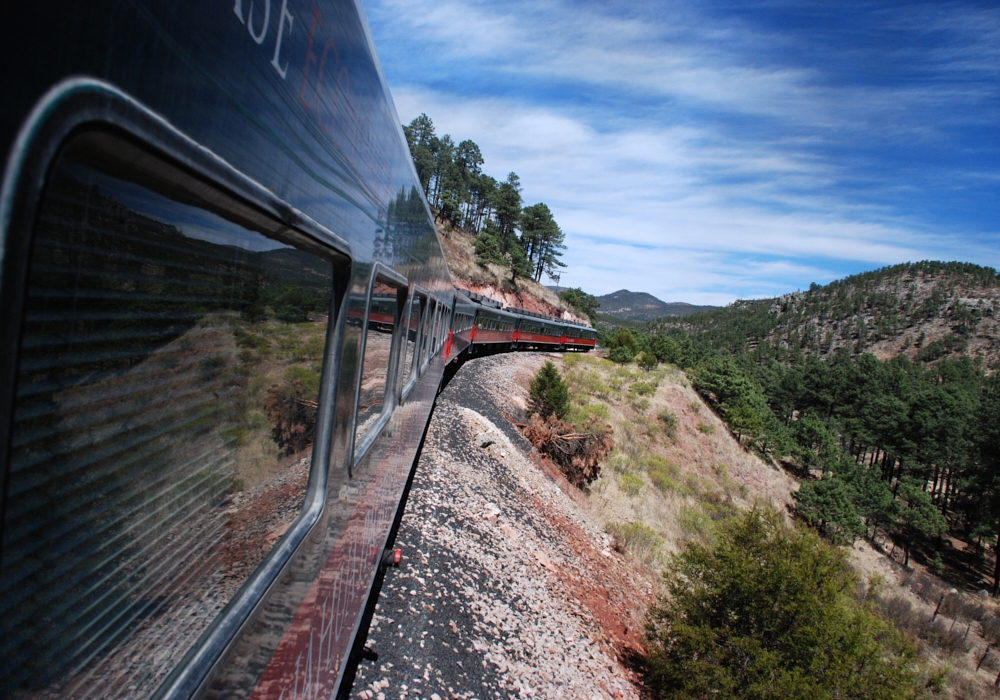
676 470
494 282
508 588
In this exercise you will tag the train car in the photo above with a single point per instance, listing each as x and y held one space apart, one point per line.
226 315
224 310
535 331
494 327
579 338
462 327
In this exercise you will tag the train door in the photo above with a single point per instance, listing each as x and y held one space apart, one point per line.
425 334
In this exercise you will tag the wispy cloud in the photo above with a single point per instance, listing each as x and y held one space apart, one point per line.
717 156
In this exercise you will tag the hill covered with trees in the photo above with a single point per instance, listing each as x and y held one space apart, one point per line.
879 390
925 310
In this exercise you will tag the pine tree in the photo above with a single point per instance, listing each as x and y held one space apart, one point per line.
549 393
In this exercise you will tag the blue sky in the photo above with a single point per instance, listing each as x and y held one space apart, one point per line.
709 151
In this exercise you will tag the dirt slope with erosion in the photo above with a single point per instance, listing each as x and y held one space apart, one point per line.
494 282
676 470
508 588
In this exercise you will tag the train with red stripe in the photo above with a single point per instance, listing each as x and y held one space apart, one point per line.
486 326
226 316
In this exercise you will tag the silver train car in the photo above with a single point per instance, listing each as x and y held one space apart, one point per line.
225 317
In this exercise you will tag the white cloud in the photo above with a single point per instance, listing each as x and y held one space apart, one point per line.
649 190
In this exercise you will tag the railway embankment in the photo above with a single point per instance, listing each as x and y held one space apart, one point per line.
508 586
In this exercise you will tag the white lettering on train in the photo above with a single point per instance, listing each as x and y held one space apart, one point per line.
285 17
285 14
259 38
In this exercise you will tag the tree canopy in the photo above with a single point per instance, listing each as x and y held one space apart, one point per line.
524 239
769 612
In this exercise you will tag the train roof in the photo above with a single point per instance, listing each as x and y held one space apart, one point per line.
480 299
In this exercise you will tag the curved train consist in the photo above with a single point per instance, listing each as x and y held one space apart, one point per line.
225 318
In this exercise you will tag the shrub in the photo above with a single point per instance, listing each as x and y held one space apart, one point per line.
623 338
635 539
644 388
585 416
647 360
622 355
706 428
631 484
668 419
640 404
769 612
694 521
937 564
549 394
662 473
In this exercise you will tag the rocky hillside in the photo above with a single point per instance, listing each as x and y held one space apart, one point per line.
640 306
492 281
925 310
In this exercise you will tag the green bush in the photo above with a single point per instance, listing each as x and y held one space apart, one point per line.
662 473
706 428
769 612
549 394
623 338
583 417
647 360
622 355
668 419
694 521
631 484
302 382
644 388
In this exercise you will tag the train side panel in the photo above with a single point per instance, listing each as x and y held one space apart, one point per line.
229 185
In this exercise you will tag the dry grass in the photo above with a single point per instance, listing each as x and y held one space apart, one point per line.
675 469
956 639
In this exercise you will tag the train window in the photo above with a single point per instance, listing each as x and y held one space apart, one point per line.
164 414
416 302
378 346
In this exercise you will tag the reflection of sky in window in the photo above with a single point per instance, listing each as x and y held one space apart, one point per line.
190 221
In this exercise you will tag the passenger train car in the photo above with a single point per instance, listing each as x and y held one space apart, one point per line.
225 318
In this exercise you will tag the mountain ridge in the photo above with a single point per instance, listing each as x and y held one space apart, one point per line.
642 306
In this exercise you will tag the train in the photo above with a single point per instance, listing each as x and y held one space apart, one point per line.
225 319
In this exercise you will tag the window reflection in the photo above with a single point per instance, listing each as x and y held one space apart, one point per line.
165 411
412 332
425 334
378 349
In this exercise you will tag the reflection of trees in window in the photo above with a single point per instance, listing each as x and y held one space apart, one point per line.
142 442
375 365
406 235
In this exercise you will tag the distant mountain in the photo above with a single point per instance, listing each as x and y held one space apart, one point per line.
640 306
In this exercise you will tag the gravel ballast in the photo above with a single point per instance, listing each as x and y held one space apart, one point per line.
507 589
